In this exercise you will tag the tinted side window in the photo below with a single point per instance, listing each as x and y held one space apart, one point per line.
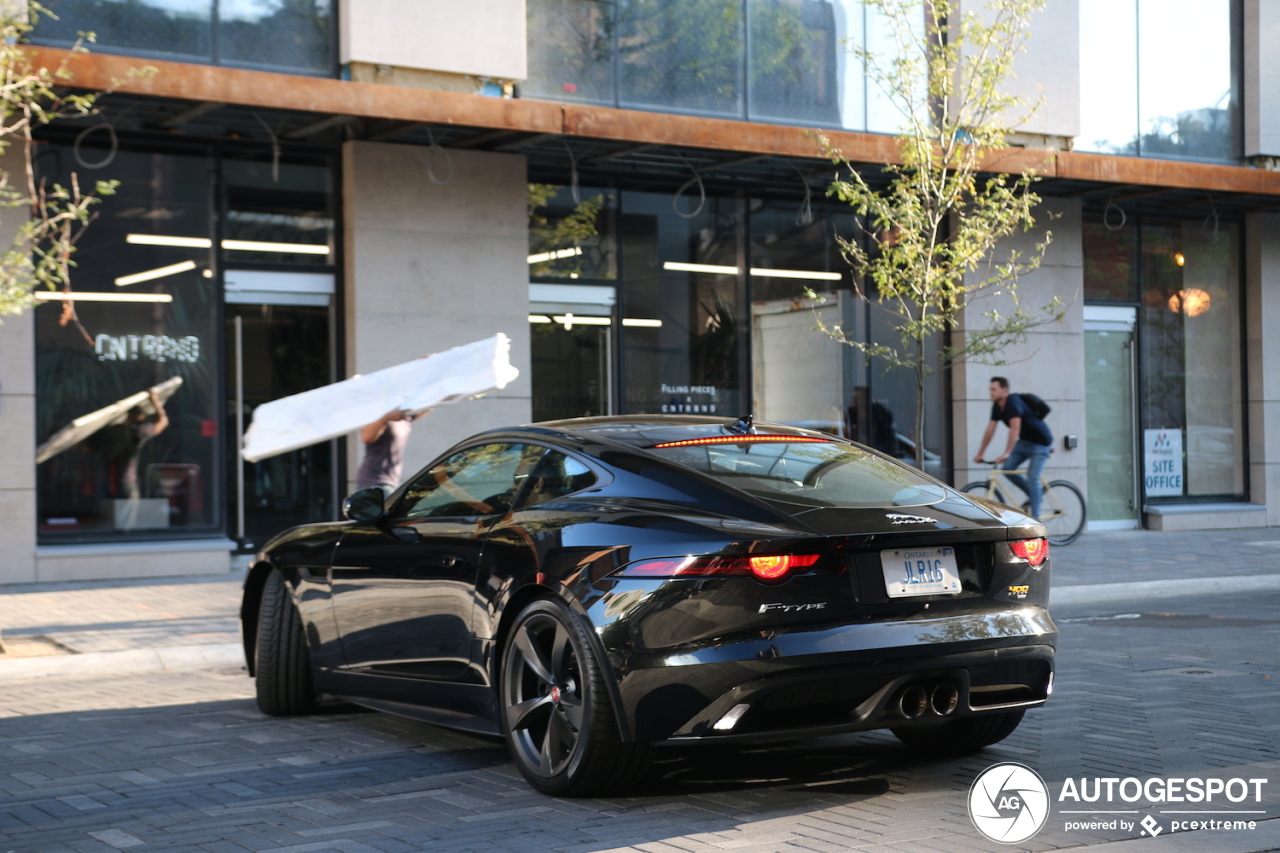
480 480
556 475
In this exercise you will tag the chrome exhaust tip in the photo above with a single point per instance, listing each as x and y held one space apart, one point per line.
944 698
913 702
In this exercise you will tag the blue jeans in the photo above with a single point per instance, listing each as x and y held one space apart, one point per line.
1035 455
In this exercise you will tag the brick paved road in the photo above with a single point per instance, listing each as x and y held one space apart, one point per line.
183 761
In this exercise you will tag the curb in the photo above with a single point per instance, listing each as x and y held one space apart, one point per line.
156 659
1102 593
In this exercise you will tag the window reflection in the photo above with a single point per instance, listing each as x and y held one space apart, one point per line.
1191 373
283 33
287 34
689 364
768 60
1157 78
278 213
179 27
571 50
684 56
1185 80
150 463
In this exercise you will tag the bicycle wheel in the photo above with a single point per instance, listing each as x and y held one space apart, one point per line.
1062 512
980 489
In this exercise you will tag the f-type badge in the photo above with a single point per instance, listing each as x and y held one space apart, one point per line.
898 518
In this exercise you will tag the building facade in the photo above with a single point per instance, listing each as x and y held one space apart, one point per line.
631 191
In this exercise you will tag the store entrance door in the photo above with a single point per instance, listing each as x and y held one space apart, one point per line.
279 343
571 349
1111 416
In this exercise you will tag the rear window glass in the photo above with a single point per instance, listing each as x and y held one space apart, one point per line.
810 474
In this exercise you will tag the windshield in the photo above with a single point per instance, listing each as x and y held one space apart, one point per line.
824 474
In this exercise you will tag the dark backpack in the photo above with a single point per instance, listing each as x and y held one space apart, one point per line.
1038 407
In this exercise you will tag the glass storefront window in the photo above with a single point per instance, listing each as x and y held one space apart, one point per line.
1158 79
681 305
682 56
800 375
1192 377
277 213
1108 77
571 51
127 409
1110 259
295 35
799 71
571 234
181 28
786 61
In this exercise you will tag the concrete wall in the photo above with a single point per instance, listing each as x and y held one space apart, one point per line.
1261 84
1262 320
434 265
17 421
1050 363
484 38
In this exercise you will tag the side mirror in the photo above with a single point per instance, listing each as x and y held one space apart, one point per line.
367 504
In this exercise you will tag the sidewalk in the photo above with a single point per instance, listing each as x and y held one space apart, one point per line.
172 623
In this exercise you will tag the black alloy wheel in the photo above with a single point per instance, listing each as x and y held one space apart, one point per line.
556 712
283 672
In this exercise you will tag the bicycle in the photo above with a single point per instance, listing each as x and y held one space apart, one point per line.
1062 507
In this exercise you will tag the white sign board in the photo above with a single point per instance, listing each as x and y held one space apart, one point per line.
323 413
1162 462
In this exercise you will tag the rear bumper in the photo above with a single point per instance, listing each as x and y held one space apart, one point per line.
838 679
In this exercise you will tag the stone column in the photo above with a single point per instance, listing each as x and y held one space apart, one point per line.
435 244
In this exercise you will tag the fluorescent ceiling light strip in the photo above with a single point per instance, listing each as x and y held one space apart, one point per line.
641 321
575 320
543 257
163 240
677 266
230 245
158 272
812 275
255 246
47 296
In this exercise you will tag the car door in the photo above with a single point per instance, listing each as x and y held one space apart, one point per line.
404 588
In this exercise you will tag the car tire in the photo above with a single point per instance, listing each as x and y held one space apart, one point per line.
556 711
967 734
283 671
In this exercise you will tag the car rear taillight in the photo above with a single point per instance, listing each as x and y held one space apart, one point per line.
1033 551
769 568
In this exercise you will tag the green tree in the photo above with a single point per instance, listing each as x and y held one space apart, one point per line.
931 236
53 216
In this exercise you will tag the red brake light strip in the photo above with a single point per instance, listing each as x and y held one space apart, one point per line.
743 439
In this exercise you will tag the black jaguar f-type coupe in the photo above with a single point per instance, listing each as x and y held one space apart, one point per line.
590 589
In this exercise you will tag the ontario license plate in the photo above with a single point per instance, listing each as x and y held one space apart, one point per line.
920 571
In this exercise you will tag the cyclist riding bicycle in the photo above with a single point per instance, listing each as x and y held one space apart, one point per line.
1030 440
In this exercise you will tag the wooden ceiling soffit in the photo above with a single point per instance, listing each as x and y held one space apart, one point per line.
305 94
1174 174
323 96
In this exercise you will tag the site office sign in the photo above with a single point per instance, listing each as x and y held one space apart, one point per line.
1009 803
1162 463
